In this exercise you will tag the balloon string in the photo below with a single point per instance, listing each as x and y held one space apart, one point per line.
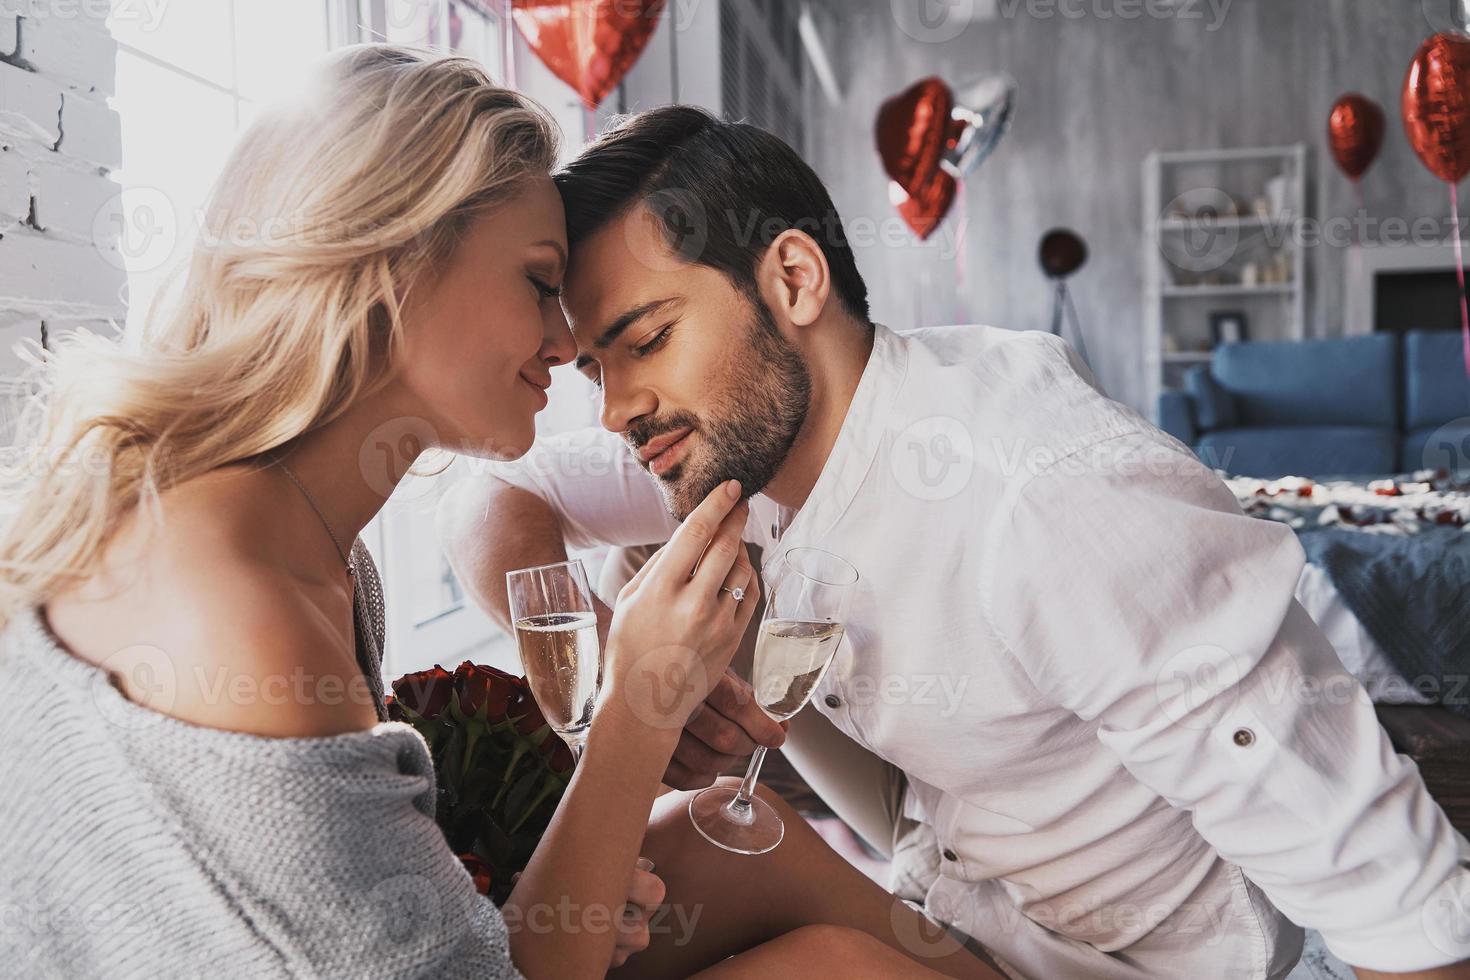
1460 277
962 228
1362 209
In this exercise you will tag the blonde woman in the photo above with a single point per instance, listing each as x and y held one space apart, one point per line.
199 775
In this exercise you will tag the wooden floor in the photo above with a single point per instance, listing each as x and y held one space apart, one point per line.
1438 740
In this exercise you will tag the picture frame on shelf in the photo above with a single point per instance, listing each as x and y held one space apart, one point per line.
1227 327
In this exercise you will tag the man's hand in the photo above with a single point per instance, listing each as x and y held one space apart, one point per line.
724 730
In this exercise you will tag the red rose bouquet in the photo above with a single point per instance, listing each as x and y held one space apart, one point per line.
500 768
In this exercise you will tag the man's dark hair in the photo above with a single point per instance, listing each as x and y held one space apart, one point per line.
722 191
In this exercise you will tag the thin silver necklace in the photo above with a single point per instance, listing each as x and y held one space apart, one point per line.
312 502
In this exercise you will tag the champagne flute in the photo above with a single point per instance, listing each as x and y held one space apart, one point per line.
806 609
556 631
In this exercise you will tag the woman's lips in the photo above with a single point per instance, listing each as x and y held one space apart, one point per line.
670 457
540 391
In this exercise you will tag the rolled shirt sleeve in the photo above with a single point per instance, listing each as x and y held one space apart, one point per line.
1136 593
598 490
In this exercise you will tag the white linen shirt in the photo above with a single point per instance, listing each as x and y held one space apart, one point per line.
1088 661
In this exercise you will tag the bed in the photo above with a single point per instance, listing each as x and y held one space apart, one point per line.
1388 580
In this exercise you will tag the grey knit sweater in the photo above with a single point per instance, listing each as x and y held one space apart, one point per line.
133 844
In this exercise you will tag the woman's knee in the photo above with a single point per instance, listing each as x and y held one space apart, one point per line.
670 829
826 947
762 791
678 800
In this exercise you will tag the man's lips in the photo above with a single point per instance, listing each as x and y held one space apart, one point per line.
542 383
654 446
661 455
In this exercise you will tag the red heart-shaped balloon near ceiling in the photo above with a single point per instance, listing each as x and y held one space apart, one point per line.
589 44
928 138
1436 111
913 130
1436 106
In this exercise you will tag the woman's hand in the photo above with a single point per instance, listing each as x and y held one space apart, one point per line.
645 895
672 636
676 626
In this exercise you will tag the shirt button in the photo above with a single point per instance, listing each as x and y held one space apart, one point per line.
832 701
1244 737
949 855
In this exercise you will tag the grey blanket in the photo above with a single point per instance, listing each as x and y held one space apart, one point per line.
1412 595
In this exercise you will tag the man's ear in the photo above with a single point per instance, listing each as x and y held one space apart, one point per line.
795 278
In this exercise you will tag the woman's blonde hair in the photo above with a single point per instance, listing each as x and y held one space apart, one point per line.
326 214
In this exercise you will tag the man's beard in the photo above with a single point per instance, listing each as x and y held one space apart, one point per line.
747 437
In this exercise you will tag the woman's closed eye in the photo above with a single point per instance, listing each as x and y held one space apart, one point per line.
544 289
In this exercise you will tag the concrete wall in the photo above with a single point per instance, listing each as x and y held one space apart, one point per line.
1102 83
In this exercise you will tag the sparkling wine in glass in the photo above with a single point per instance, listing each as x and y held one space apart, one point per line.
556 632
806 607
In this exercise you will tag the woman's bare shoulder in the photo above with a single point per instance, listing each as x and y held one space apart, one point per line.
245 644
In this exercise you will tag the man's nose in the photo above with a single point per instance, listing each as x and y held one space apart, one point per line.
622 403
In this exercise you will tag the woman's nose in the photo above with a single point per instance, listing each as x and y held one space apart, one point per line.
557 345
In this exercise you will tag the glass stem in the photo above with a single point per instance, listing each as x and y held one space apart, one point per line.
740 805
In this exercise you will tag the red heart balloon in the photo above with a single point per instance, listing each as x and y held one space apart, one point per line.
913 130
1355 133
923 211
1436 106
589 44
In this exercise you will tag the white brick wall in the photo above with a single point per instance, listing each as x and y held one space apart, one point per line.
59 143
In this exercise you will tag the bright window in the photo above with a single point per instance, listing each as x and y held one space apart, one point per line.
430 620
187 85
187 82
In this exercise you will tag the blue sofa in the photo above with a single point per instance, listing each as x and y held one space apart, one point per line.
1348 406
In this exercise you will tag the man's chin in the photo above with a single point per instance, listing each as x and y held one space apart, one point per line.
681 492
677 502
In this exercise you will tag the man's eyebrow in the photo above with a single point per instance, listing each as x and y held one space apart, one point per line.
561 252
623 322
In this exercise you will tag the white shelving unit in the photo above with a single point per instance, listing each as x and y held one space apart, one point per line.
1208 216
